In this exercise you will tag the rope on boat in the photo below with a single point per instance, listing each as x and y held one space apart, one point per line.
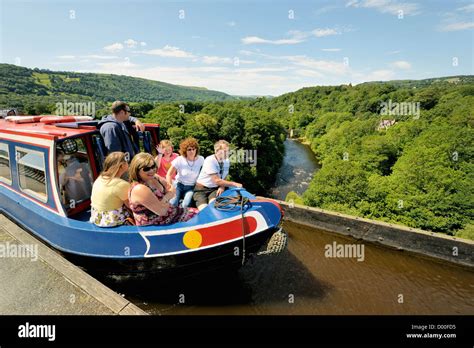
229 203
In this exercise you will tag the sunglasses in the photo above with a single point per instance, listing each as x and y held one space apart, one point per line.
191 148
147 169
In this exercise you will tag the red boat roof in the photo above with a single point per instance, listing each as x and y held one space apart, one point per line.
42 130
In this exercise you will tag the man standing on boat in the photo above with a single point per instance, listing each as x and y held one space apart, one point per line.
116 130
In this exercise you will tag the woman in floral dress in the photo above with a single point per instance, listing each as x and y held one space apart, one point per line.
149 197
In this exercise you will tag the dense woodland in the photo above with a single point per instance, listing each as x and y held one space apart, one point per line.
418 170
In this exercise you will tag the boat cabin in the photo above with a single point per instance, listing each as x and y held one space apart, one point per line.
55 165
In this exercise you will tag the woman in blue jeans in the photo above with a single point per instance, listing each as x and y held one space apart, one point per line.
187 167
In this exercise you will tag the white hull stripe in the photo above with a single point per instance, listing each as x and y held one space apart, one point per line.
261 226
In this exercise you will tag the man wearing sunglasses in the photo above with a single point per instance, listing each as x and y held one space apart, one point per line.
117 136
211 181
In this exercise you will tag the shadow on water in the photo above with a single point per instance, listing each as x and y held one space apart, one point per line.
263 281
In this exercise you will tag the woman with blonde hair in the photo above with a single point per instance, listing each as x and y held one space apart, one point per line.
109 199
187 166
149 195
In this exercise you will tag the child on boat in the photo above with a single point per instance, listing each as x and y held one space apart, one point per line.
164 158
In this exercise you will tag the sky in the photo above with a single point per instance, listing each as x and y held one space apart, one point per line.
243 47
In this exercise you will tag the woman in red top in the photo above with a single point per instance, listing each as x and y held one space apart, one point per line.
164 158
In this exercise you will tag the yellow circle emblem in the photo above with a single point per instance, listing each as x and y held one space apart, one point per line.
192 239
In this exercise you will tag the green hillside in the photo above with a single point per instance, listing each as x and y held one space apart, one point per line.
21 87
417 171
438 81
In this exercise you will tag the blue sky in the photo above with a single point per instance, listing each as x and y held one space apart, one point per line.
243 47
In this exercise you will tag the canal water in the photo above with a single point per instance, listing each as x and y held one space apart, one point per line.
302 280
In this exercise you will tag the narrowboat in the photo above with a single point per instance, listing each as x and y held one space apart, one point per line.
34 194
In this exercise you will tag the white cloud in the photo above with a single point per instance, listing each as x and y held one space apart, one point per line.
401 64
115 47
457 26
387 6
468 8
324 32
216 60
246 52
257 40
231 24
294 37
289 73
330 49
309 73
169 51
118 67
142 43
98 56
298 34
263 70
393 52
325 9
378 75
326 66
229 79
88 57
130 43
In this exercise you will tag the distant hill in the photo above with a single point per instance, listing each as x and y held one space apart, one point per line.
460 79
16 83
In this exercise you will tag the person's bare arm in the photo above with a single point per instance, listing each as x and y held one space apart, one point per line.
144 196
140 126
170 192
158 161
169 175
221 182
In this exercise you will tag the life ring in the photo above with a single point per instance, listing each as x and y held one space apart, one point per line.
61 119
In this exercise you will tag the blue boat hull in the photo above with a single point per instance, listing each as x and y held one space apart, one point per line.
132 249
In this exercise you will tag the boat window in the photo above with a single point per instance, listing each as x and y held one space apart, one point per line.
31 173
74 171
5 172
